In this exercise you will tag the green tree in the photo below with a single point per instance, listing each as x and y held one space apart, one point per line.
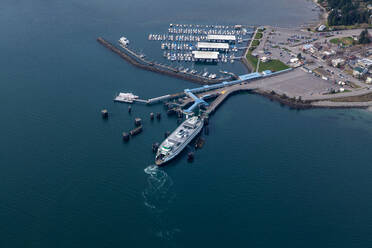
364 37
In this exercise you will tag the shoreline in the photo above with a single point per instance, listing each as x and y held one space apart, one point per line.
323 17
306 104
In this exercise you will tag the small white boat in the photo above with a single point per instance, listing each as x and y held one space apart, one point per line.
124 41
212 76
126 97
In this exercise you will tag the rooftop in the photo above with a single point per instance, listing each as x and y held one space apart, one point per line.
365 61
221 37
307 46
250 76
212 45
358 69
205 55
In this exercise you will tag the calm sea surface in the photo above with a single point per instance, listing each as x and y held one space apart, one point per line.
267 176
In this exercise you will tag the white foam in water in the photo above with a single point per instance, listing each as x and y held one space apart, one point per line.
151 169
158 193
158 196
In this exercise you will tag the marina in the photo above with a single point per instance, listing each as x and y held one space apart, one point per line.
189 48
138 60
182 41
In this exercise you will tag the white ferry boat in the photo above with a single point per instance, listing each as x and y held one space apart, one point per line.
178 140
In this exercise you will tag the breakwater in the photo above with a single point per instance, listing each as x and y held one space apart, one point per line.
138 61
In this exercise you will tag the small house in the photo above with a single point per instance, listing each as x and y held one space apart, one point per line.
338 62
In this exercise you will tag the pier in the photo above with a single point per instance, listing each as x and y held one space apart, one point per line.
222 90
224 94
149 101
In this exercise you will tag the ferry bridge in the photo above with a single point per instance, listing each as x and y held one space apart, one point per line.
199 101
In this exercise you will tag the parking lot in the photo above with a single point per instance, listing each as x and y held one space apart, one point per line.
297 83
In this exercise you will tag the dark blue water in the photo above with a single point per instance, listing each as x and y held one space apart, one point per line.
266 177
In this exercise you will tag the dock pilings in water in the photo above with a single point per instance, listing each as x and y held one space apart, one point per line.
104 114
136 131
125 136
137 122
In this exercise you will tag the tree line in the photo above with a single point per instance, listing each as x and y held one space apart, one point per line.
346 12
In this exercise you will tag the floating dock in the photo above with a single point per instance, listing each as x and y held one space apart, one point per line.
126 97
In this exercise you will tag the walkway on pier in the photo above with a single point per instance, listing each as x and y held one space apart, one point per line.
198 101
229 87
226 93
160 98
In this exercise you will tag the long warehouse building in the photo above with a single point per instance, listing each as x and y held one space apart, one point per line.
205 56
212 46
221 38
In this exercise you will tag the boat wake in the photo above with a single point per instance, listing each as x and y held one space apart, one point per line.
158 197
158 194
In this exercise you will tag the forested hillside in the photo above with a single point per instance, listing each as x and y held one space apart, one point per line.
347 12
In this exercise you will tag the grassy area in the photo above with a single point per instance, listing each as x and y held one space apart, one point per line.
272 65
251 49
255 43
259 35
252 60
346 41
